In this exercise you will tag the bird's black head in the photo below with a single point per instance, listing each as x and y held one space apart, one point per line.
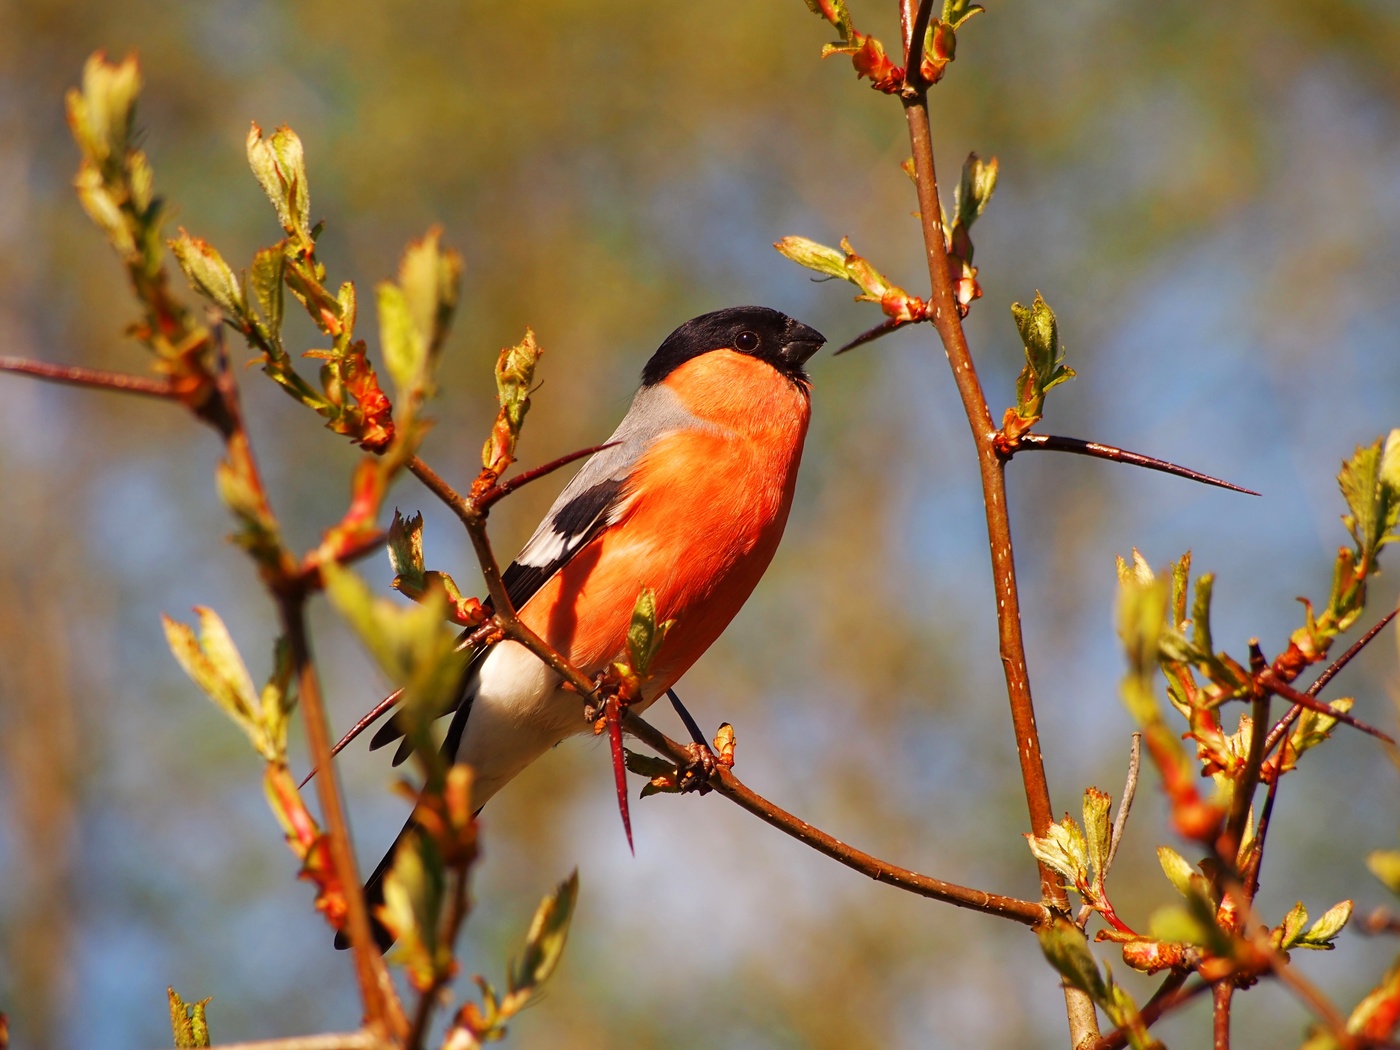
754 330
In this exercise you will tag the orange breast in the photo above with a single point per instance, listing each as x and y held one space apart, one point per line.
707 510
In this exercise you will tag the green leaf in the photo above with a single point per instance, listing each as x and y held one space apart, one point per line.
814 256
412 645
279 164
405 350
1291 929
1043 370
213 663
644 634
544 944
1385 865
975 189
414 891
1322 933
265 276
102 114
1200 614
1178 870
1063 850
208 274
1098 830
1065 948
1177 925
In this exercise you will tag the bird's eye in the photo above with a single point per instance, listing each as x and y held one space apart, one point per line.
746 341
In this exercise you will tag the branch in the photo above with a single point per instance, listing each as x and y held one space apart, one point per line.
727 784
504 616
96 378
1083 1021
1055 443
376 989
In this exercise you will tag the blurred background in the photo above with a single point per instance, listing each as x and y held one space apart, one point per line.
1208 195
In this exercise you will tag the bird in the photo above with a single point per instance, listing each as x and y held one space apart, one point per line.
689 499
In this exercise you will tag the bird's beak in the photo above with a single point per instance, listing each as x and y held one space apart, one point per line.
802 342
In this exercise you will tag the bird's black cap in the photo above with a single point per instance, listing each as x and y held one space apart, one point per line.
766 334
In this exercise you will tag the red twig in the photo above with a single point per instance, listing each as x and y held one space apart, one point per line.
1272 682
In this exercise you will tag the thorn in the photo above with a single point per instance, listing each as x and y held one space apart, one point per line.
376 713
612 711
499 492
1055 443
871 334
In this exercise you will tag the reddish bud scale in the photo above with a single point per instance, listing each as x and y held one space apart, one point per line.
1151 956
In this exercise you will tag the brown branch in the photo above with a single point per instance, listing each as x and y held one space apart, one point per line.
1224 992
1013 653
727 784
1083 1021
381 1002
721 780
1243 793
1055 443
94 378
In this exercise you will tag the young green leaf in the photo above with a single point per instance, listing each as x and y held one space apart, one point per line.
1098 831
1322 933
406 552
279 164
644 634
1385 865
544 944
213 663
208 274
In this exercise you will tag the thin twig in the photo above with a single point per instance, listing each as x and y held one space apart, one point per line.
1243 792
1120 822
1098 450
458 908
1125 807
95 378
914 49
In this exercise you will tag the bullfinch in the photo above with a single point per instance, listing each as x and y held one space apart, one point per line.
690 501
